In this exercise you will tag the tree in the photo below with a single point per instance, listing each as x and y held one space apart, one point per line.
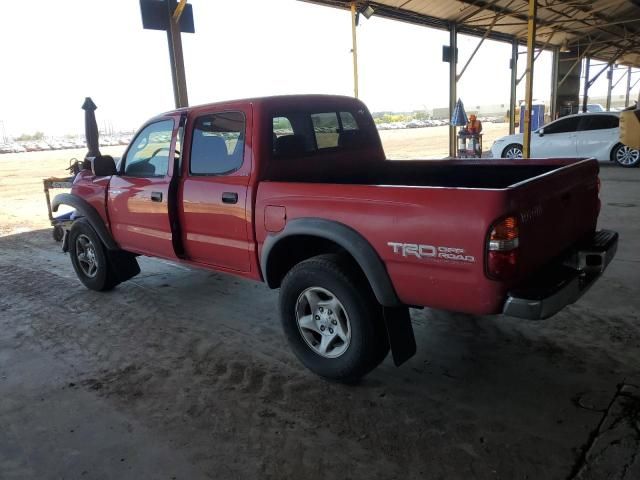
26 137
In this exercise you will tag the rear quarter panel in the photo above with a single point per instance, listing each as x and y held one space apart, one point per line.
443 218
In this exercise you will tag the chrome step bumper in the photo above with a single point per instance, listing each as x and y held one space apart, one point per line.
566 281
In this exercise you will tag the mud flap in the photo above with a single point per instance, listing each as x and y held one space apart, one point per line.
400 332
123 264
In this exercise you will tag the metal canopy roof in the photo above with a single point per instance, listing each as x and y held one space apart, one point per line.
608 30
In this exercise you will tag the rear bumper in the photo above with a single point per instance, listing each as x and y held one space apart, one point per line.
564 282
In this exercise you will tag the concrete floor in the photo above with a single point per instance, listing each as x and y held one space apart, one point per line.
185 374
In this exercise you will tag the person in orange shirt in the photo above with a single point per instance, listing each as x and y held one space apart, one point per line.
474 127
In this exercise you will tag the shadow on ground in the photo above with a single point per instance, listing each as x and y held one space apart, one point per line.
183 373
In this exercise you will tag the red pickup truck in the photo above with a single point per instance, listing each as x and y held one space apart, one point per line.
296 191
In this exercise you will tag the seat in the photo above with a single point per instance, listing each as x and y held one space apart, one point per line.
350 139
209 154
290 145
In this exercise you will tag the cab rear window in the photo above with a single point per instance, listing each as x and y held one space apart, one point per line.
305 133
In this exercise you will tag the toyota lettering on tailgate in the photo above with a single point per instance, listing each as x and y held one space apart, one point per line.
431 251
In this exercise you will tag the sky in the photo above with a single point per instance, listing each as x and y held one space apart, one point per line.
53 54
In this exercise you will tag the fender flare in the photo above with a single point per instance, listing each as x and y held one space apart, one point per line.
352 241
90 213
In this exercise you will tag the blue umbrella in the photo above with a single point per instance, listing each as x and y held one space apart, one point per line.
459 117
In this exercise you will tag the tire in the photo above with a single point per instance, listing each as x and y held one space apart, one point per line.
513 150
624 156
343 337
58 233
89 258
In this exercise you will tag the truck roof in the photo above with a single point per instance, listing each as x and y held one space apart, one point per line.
279 101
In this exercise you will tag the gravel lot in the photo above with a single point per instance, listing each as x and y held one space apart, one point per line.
185 374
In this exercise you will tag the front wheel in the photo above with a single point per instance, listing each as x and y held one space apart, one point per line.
512 151
89 258
331 319
625 156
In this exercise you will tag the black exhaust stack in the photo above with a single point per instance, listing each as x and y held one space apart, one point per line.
91 128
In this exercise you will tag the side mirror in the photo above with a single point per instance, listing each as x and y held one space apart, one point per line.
103 166
541 132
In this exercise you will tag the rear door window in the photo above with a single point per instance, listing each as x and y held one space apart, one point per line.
599 122
217 146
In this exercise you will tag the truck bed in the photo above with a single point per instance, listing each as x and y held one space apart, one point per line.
486 174
447 204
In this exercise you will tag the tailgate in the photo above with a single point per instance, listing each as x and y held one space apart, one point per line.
555 210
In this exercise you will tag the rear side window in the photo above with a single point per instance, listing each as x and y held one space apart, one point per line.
217 146
303 133
563 125
281 126
599 122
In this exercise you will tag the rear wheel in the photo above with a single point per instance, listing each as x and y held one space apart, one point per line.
332 320
89 258
512 151
625 156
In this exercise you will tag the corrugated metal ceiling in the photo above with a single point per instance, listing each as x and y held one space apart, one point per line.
608 30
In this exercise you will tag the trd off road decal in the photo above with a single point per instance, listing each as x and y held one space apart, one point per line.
431 251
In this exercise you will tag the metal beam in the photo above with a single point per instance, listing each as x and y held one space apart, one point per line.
575 64
513 86
626 97
404 15
619 80
453 85
477 10
175 57
555 62
609 87
531 43
585 94
602 70
354 49
473 54
534 60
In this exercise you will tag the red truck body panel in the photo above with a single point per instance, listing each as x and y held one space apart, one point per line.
555 208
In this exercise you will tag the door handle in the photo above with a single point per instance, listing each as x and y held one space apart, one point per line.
156 196
229 197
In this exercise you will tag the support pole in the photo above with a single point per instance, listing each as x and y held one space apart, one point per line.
354 49
175 56
585 94
626 97
453 91
513 86
555 66
531 43
609 86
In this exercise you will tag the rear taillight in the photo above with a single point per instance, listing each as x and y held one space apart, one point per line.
502 249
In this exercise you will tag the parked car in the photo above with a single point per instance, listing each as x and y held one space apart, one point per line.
594 135
350 238
595 108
